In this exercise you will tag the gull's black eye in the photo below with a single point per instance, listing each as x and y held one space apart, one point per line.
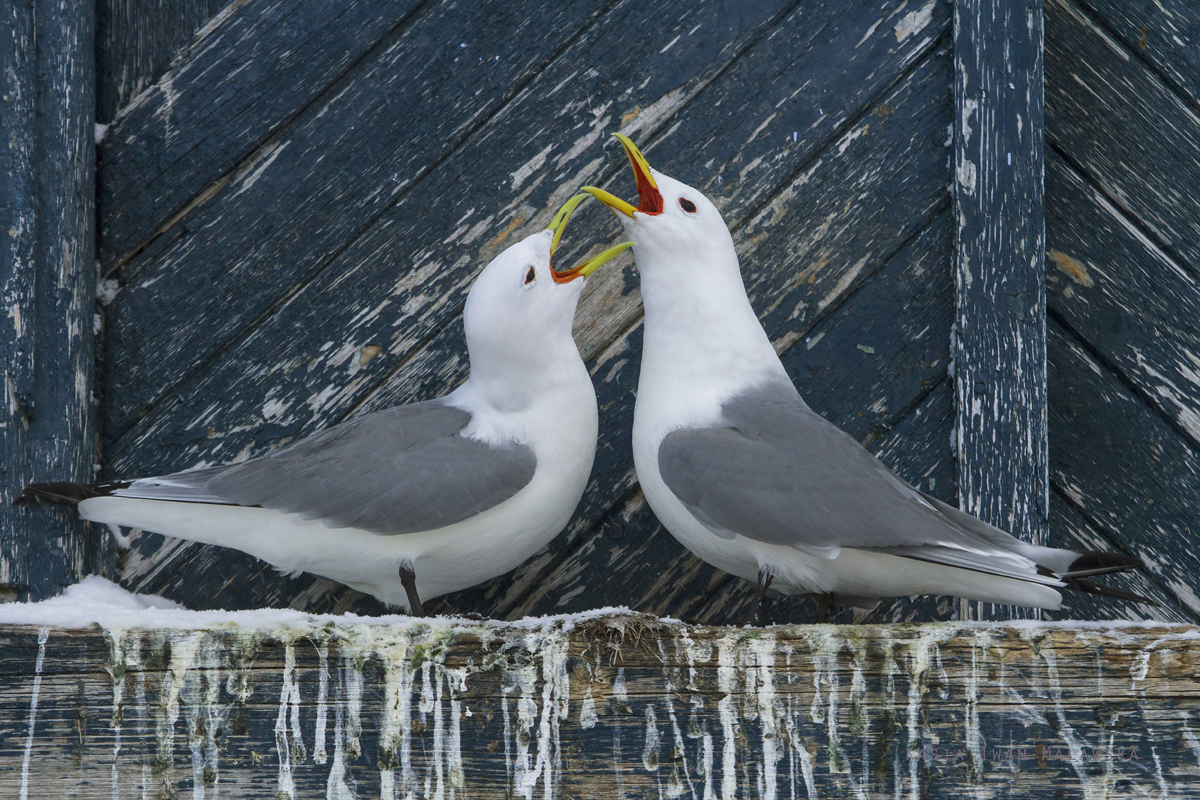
530 276
687 205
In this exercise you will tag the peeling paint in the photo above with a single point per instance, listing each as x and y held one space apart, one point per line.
716 713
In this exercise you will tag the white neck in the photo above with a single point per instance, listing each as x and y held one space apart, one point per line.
703 341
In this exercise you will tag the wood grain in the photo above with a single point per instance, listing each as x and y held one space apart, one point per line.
201 120
1131 302
48 287
999 331
1164 33
136 41
266 233
623 705
1126 130
1130 473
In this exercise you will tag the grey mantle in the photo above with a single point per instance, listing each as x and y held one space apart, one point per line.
615 706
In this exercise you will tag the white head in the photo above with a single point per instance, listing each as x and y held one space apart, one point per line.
680 235
520 310
698 318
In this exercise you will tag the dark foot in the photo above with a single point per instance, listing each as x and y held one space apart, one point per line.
824 608
764 582
408 579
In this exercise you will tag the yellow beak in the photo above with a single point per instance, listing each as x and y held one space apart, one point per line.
558 225
650 200
611 200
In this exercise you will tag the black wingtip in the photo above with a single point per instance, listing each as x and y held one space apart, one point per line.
64 492
1091 587
1095 562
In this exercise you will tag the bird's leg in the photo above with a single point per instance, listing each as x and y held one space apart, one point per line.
408 579
764 581
824 607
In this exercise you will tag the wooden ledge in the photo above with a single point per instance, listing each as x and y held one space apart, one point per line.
618 705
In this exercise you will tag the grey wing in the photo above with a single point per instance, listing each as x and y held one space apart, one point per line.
403 470
777 472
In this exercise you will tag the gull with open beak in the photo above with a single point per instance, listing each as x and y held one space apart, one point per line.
423 499
741 471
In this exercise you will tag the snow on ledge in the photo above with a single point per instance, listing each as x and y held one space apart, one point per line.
98 601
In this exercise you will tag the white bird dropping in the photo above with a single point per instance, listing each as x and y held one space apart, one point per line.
744 474
418 500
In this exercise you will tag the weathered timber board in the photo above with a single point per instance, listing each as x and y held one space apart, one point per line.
136 41
208 113
47 286
426 237
426 249
999 344
1125 129
1070 528
1130 473
1130 301
1164 33
832 226
623 706
359 150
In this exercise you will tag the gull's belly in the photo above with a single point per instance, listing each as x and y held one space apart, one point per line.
444 560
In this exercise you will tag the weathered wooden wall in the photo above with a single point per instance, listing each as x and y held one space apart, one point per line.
293 242
47 287
615 707
1123 244
136 41
347 224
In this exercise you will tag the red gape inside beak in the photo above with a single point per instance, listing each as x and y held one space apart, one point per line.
650 200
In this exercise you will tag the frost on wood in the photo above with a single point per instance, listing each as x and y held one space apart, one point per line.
615 705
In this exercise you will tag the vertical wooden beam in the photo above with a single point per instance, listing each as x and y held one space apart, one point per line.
47 284
999 344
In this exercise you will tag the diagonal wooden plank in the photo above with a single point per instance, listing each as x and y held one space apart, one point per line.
418 238
136 43
1070 529
1131 135
428 248
1164 33
249 72
267 232
1126 469
1128 300
353 276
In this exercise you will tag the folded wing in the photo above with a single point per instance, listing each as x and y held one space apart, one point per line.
403 470
775 471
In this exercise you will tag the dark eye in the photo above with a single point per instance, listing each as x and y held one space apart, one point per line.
530 276
687 205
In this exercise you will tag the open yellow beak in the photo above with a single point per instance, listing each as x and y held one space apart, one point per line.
558 225
611 200
650 199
